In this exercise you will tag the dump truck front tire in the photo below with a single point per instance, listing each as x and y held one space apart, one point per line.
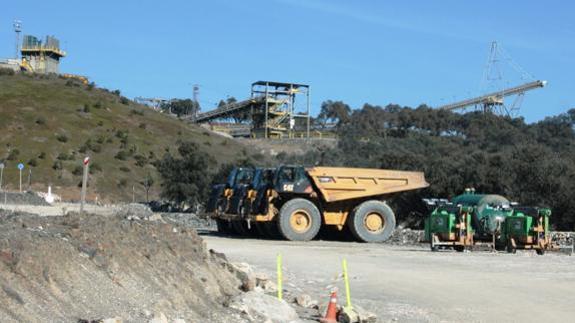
299 220
372 221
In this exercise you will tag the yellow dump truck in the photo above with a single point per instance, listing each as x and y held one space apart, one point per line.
298 201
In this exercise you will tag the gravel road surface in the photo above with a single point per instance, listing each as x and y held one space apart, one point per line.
412 284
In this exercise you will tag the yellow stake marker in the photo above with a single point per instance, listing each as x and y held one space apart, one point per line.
346 279
279 269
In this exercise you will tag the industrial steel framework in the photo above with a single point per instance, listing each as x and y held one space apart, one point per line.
494 101
271 110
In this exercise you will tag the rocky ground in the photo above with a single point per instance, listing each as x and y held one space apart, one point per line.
132 266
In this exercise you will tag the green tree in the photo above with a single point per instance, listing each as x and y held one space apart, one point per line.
334 112
185 179
181 107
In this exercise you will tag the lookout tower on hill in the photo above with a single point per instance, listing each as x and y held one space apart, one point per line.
41 57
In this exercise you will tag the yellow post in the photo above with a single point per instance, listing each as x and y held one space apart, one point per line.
279 270
346 279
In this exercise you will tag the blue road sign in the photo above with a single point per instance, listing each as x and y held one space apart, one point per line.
20 166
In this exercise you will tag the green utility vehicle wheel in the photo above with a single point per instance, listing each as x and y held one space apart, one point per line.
299 220
540 252
372 221
459 248
510 248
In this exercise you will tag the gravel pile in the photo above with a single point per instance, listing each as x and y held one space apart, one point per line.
190 220
25 198
134 211
563 238
405 236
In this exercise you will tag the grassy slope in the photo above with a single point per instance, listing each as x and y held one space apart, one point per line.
35 111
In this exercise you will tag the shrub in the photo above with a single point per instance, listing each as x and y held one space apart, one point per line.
90 86
100 139
57 165
142 125
62 138
96 148
32 162
86 108
141 160
41 120
64 156
117 92
100 123
122 183
42 155
207 143
94 168
78 170
122 155
97 105
122 134
124 100
136 112
125 169
13 154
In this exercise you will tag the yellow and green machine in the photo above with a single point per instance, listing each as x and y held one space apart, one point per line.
471 219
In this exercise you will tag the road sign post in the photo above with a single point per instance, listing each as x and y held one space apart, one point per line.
84 184
20 168
1 174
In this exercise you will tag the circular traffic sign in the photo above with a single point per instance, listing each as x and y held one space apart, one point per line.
1 165
86 160
20 166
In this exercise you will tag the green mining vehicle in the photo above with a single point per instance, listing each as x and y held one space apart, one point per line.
471 219
450 226
528 228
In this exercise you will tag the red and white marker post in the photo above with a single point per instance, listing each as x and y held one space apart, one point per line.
84 184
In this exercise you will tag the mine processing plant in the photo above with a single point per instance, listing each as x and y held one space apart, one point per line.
270 112
41 57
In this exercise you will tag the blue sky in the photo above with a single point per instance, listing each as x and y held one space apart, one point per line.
378 52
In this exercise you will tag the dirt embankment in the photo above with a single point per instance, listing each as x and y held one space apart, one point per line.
62 269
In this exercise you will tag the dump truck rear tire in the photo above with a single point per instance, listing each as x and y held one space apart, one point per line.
241 227
299 220
224 227
372 221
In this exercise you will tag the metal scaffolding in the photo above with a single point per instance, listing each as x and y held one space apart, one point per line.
272 111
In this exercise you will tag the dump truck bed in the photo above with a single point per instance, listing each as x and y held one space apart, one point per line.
339 183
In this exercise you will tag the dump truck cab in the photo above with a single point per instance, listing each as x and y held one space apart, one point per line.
292 180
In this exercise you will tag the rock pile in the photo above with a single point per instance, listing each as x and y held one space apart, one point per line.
402 236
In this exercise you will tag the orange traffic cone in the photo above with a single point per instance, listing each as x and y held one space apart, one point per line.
331 314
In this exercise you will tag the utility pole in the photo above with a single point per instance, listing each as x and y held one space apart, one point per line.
195 96
17 29
86 164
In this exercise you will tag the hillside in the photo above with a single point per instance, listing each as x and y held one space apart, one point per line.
50 124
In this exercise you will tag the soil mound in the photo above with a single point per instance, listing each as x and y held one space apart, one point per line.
71 268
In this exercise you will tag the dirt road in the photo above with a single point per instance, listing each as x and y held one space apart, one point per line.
412 284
